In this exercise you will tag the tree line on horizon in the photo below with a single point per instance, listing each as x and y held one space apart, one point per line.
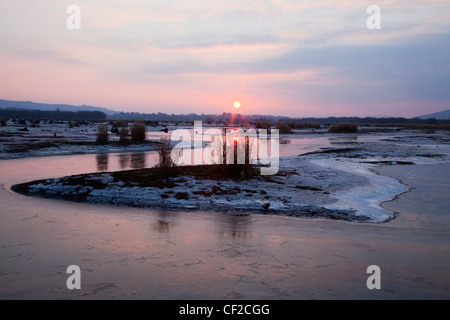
52 115
226 117
223 118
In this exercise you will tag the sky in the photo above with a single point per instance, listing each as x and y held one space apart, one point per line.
279 57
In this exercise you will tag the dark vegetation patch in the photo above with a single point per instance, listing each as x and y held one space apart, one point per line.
10 134
218 172
308 188
204 193
25 147
153 177
272 180
331 151
431 155
182 196
220 191
346 143
419 126
58 141
390 162
144 178
343 128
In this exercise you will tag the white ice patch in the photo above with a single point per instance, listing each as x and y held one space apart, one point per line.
105 178
366 199
57 188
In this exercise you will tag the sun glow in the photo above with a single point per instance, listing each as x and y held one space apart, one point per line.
237 104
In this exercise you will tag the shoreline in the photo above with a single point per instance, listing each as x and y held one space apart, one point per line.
428 185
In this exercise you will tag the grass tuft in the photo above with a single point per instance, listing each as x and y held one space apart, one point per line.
343 128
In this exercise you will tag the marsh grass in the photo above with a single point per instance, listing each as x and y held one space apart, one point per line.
124 135
120 123
284 127
102 134
165 164
263 125
343 128
232 168
138 130
416 126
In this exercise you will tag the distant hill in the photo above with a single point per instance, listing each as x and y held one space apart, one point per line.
382 116
28 105
443 115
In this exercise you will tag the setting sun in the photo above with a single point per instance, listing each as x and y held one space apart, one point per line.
237 104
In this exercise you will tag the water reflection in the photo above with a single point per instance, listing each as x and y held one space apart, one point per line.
124 160
102 162
234 226
138 160
164 223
